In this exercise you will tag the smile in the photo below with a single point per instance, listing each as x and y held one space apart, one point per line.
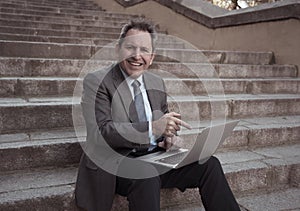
133 63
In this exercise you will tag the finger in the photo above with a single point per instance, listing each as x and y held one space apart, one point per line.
182 123
174 114
168 133
173 125
168 142
161 144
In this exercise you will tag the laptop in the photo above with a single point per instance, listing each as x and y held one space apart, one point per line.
206 144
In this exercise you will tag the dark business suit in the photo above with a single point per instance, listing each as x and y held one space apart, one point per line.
107 99
112 125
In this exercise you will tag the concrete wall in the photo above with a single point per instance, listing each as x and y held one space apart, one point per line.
281 37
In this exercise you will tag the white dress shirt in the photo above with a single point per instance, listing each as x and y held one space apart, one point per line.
148 109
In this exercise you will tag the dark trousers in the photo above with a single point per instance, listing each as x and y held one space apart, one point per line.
144 194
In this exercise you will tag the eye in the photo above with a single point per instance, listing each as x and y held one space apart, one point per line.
129 47
145 50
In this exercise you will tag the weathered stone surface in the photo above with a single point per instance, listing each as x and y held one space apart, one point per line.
256 71
279 200
45 153
58 26
35 116
72 68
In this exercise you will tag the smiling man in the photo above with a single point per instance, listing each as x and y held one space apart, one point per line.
126 114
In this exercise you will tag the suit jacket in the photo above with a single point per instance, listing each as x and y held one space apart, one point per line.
113 131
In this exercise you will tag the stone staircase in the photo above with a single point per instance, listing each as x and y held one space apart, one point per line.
44 45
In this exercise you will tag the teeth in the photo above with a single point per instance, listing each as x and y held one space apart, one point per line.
135 64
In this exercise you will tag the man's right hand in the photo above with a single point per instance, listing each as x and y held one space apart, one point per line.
168 125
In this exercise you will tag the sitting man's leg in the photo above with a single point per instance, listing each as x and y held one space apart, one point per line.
209 178
142 194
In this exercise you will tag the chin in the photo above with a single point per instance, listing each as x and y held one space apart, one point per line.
135 75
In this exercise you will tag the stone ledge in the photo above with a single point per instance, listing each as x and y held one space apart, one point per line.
214 17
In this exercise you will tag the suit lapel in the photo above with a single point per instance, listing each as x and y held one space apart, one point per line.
124 93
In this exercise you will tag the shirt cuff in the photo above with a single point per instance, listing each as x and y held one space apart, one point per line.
151 136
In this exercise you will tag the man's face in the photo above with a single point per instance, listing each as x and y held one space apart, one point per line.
135 53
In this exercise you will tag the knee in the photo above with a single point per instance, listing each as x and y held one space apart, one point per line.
214 161
214 164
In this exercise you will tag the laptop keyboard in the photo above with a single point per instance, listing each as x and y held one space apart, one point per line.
173 159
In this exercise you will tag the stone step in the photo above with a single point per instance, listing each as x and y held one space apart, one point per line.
91 17
192 70
101 16
76 40
287 199
30 67
246 171
182 86
62 20
54 39
62 1
234 106
58 26
56 148
33 113
5 7
62 4
53 32
58 9
58 86
72 51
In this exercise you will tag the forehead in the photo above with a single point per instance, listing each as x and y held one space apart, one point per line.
137 37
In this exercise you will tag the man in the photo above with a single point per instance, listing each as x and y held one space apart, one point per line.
126 114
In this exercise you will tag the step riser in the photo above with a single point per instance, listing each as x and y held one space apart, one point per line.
235 109
260 179
55 155
96 23
14 88
64 27
232 87
18 118
49 32
29 38
35 117
5 7
43 50
39 88
238 181
235 71
95 11
63 153
54 2
69 5
64 68
72 68
102 15
63 201
84 41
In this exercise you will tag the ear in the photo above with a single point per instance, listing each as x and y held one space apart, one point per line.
152 58
117 50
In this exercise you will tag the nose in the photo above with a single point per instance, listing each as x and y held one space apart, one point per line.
137 53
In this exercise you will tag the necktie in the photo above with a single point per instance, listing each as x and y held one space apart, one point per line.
138 101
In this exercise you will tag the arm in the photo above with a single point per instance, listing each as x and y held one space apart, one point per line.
97 110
